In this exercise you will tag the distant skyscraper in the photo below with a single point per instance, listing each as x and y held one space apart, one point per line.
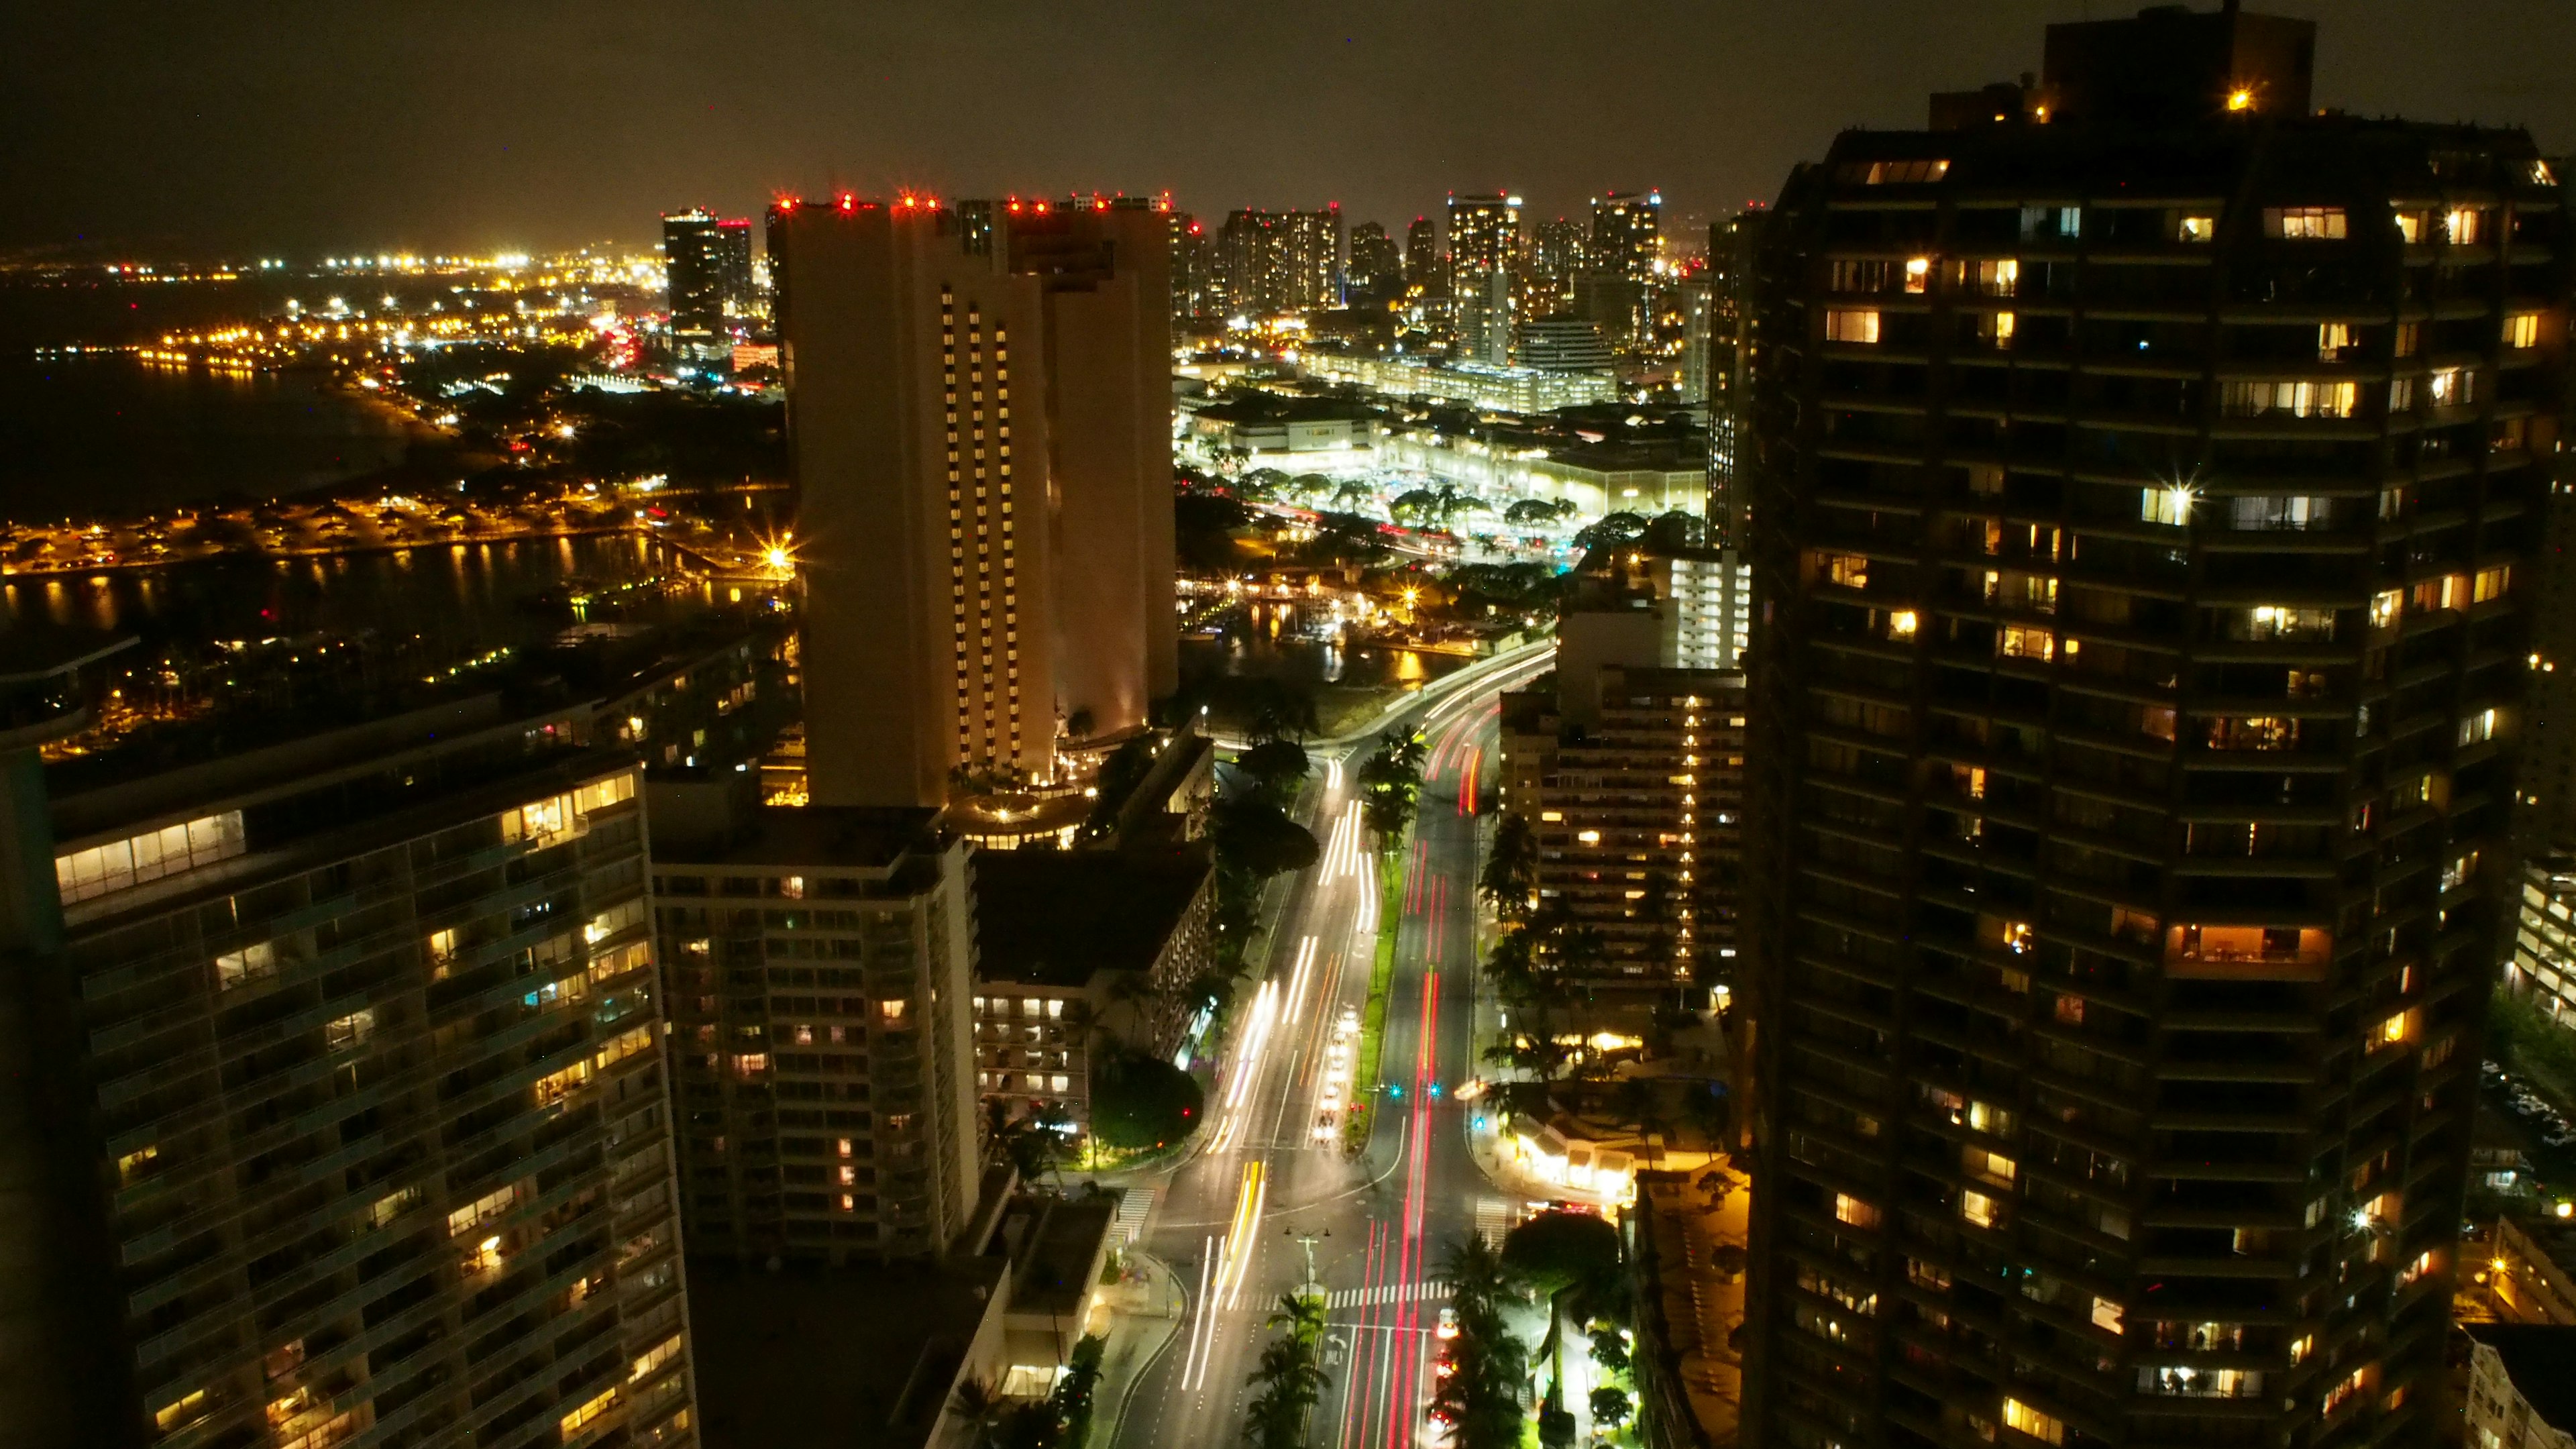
983 447
1627 235
1484 251
1422 263
706 262
1254 252
1198 282
2146 487
1377 268
1731 327
1313 247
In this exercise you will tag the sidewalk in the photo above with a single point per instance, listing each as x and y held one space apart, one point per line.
1145 1308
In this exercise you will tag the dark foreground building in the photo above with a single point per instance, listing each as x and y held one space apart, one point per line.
334 1108
2146 468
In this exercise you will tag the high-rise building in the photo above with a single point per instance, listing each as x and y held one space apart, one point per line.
1282 261
1485 314
1198 284
1312 248
983 448
1423 263
1628 764
2145 485
1732 323
819 960
1377 268
1627 235
1484 238
706 264
336 1108
1254 253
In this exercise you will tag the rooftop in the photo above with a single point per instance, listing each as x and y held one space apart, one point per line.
1055 917
848 837
1055 1242
2536 1356
811 1357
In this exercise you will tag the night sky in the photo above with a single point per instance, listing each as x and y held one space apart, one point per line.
295 129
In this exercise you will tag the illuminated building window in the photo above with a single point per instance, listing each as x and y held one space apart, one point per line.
2306 223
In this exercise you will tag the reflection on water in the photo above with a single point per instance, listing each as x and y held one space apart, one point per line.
1278 654
472 594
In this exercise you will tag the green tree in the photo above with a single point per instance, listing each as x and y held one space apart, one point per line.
1482 1397
1610 531
1510 876
1610 1406
1573 1259
1140 1101
1538 512
980 1403
1390 782
1610 1348
1277 768
1258 837
1074 1392
1289 1375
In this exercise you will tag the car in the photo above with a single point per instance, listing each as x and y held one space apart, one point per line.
1448 1323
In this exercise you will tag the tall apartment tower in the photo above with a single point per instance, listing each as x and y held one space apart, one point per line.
1313 245
1628 764
1627 234
337 1110
982 447
1484 253
2145 476
820 968
706 262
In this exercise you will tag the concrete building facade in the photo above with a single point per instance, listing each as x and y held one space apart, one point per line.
2137 741
961 423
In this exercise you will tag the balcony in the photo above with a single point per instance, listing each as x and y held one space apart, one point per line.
2247 953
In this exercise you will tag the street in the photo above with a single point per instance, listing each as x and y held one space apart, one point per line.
1237 1218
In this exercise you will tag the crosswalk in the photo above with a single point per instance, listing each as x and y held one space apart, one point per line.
1387 1293
1493 1219
1133 1205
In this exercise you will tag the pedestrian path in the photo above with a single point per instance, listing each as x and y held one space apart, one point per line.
1133 1206
1386 1293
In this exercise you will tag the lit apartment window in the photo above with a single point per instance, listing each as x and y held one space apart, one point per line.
99 869
2452 387
2198 229
1854 1212
2522 329
2304 223
2491 583
2017 641
1844 324
1918 274
2465 224
2031 1421
250 963
1896 173
2302 398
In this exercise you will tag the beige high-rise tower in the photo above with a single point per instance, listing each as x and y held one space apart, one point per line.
980 424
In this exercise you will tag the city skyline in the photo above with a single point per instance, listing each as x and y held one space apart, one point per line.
126 125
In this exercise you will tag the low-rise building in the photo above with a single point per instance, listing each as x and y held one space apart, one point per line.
2514 1385
1082 952
1481 384
2543 964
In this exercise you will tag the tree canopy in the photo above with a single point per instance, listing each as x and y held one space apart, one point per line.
1141 1101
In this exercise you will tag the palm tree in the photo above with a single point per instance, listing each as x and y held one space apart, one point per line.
980 1403
1510 876
1289 1374
1483 1394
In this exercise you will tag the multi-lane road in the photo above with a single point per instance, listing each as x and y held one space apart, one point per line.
1268 1181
